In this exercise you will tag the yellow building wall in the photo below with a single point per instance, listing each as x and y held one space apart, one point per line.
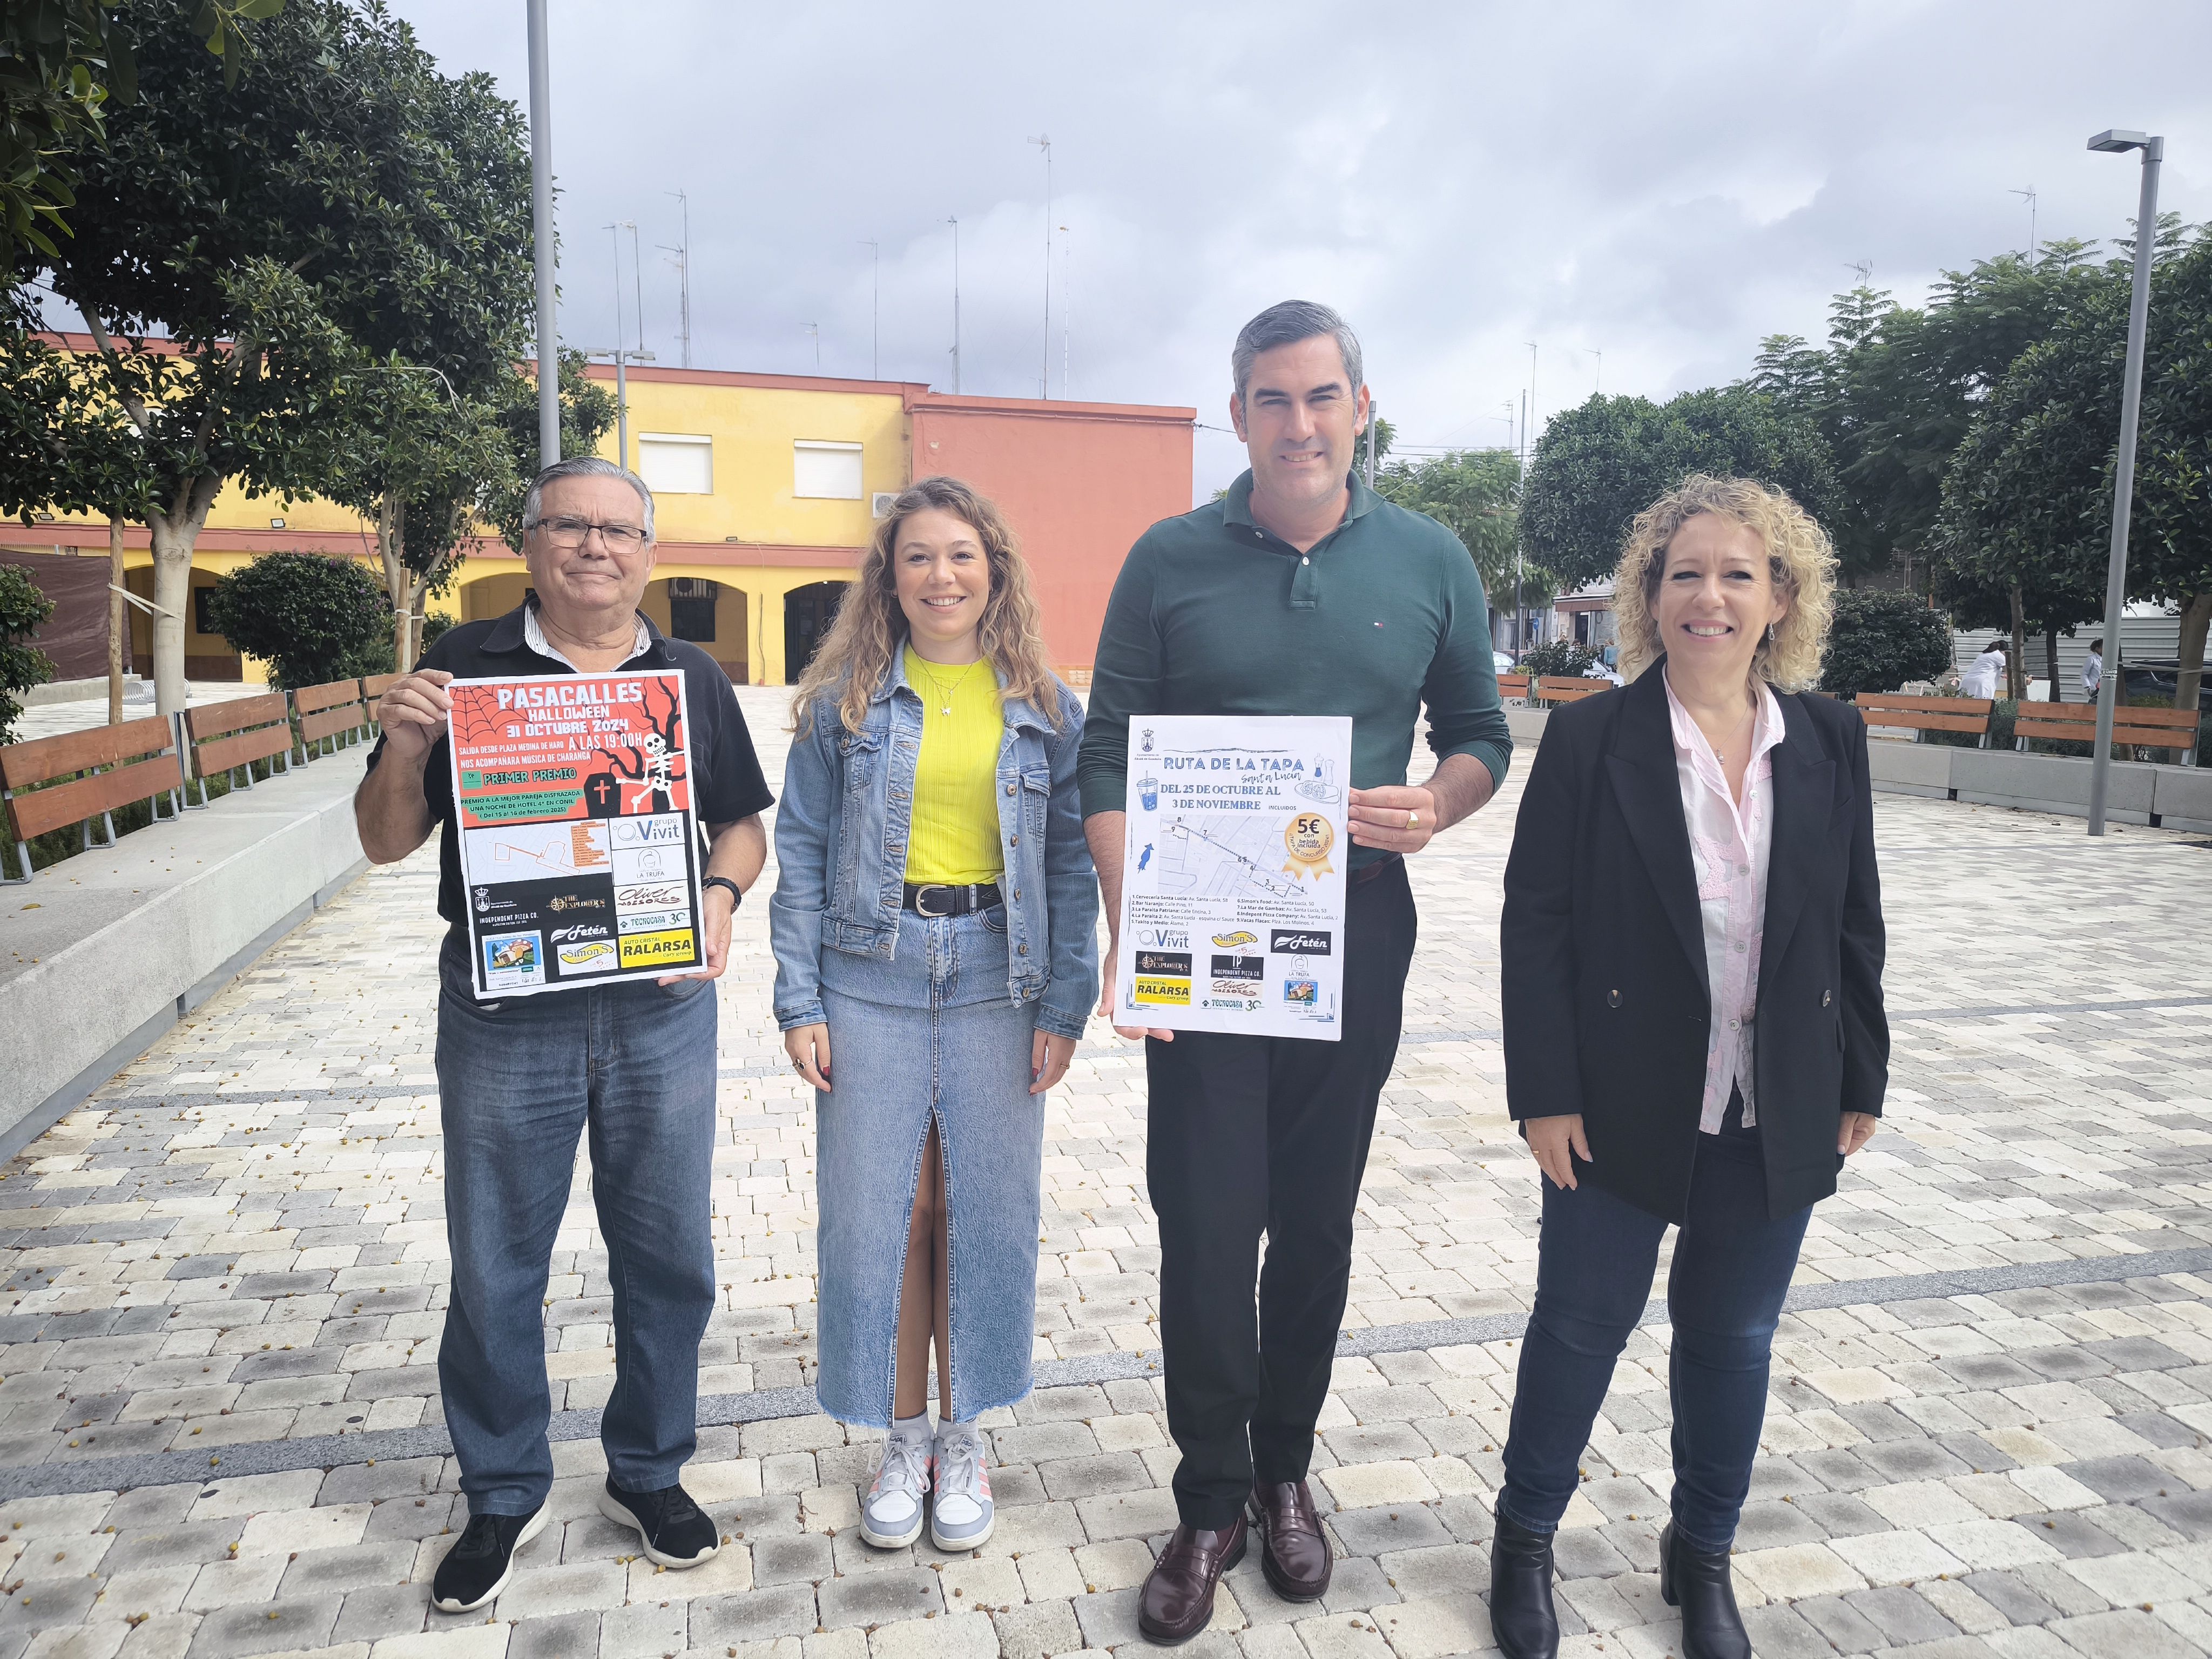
753 429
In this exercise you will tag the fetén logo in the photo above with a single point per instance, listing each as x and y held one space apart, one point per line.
1293 942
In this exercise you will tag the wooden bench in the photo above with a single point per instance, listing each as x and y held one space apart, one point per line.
51 782
373 686
1919 714
1513 685
226 736
327 713
2141 728
1569 688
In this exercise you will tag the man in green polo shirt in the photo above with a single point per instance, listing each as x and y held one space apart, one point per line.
1300 593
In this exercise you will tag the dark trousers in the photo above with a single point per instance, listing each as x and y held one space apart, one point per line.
1594 1262
1252 1134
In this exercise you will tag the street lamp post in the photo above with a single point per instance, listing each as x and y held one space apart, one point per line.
542 236
2124 469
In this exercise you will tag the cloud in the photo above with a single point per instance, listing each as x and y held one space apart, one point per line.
1663 184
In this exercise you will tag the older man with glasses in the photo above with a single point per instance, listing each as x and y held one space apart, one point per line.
520 1079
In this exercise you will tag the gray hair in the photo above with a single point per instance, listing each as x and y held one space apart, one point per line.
584 466
1286 325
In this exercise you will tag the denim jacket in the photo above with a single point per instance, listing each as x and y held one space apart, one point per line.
841 849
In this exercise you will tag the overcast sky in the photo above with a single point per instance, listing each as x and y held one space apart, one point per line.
1665 184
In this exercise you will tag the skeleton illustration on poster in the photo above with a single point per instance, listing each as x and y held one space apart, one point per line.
1232 880
578 843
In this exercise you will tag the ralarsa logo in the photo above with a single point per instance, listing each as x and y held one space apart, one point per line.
1295 942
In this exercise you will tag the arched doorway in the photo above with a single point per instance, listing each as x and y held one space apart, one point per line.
807 614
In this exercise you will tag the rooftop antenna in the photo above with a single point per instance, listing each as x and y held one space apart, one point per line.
1597 385
1067 303
1864 267
637 278
875 313
955 223
683 264
1043 141
2030 194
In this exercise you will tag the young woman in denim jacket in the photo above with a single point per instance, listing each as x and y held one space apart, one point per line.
934 921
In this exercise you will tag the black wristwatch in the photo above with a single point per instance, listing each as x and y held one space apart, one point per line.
737 897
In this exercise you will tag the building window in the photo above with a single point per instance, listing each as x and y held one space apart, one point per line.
202 617
826 471
675 463
691 601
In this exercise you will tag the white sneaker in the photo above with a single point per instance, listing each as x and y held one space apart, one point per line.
962 1517
892 1513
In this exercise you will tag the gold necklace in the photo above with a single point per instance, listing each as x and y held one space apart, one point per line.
946 693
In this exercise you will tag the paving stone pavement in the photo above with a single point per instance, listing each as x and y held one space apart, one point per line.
225 1279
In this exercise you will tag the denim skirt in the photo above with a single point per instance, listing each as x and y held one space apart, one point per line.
930 1035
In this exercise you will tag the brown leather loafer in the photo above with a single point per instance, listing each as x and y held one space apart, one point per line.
1178 1597
1294 1554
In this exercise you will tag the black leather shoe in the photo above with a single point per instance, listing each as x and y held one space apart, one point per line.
1702 1586
1177 1600
1520 1615
1294 1552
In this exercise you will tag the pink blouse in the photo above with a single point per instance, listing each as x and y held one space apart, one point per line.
1729 844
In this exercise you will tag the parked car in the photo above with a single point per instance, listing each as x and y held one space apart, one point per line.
1502 662
2157 678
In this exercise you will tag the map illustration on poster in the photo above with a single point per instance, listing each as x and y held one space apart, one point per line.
1233 875
578 846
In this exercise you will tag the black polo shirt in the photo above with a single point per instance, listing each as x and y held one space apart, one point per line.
726 774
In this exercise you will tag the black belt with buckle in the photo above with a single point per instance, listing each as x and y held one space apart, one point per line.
936 900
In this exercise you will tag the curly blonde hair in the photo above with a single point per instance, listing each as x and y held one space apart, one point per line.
855 655
1800 558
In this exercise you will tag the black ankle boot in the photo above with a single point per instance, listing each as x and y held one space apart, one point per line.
1521 1616
1702 1586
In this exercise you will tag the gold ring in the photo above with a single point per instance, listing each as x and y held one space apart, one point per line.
1412 820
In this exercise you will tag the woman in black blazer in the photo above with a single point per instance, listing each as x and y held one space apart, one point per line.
1694 1034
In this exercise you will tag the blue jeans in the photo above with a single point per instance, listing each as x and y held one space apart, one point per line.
930 1035
518 1081
1595 1258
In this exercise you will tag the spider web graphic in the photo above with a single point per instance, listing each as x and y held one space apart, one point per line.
476 718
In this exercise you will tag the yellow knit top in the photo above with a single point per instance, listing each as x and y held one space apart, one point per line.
955 837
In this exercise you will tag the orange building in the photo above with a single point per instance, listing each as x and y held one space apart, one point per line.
767 489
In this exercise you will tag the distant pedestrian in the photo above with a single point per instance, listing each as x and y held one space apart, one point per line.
2093 671
1985 673
521 1078
935 919
1694 1030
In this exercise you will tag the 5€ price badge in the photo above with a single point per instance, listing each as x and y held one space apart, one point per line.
1307 838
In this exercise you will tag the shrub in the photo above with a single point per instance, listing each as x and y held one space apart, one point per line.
1558 657
23 665
433 626
310 618
1880 640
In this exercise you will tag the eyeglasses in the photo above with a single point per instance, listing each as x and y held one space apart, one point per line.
567 534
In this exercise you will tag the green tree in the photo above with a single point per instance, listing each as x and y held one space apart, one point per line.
344 199
311 618
2170 540
1472 493
62 62
2027 503
1598 465
23 610
1880 639
403 446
